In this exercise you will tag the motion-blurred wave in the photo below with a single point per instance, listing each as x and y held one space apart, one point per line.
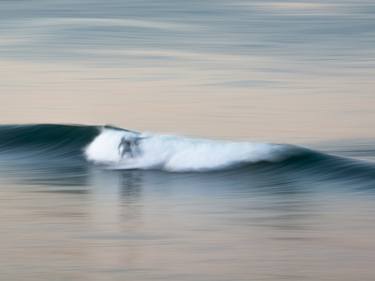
63 151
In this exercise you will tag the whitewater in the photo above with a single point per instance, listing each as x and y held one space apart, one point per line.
178 153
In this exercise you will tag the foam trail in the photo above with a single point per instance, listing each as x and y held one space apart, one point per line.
179 154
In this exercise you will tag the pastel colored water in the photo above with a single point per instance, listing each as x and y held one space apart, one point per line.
282 71
268 77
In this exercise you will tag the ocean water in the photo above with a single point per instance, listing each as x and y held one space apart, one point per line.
181 209
254 130
279 71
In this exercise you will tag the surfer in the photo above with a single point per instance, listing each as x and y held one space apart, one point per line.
129 147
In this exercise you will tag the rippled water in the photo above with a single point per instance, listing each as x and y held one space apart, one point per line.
293 72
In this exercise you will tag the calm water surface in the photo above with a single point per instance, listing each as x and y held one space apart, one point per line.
282 71
145 226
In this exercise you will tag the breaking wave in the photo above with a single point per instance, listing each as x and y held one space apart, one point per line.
74 147
181 154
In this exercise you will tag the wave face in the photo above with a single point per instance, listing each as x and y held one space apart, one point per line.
45 140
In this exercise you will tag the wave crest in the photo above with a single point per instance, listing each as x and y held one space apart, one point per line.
180 154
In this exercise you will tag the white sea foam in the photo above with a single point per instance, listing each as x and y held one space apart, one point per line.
178 154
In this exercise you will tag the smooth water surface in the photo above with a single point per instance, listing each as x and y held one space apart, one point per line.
281 71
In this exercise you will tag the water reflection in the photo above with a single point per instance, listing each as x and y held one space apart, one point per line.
155 225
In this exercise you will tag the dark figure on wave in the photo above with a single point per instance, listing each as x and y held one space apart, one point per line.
129 147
